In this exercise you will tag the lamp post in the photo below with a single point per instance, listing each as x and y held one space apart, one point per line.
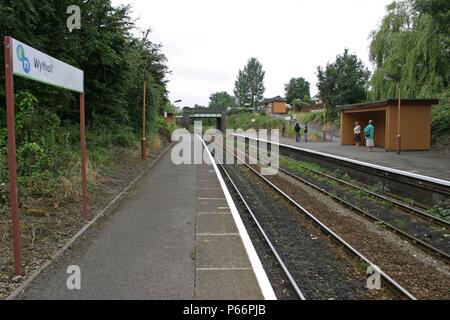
325 123
176 102
396 78
144 120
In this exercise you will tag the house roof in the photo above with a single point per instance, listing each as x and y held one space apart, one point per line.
385 103
275 99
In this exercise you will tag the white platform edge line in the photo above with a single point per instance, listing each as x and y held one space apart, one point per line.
261 275
217 234
362 163
224 269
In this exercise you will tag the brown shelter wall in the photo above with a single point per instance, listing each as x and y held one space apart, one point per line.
415 127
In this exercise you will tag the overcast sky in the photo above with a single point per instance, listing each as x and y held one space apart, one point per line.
208 41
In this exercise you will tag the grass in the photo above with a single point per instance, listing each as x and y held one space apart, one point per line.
410 202
359 194
401 224
246 121
387 204
441 210
58 178
379 188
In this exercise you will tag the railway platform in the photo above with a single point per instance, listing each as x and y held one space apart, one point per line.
175 235
427 163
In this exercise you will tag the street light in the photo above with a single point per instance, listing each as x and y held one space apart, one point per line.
144 122
396 78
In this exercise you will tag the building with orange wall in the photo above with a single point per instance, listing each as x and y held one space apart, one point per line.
415 122
277 105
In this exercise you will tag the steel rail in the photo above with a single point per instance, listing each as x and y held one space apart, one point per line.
443 183
425 246
420 243
266 238
391 283
399 204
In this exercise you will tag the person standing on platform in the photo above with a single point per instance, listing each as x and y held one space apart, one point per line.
357 134
369 131
297 133
305 131
283 130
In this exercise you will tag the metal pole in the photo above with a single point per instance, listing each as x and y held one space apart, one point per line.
144 120
325 124
13 191
399 135
83 157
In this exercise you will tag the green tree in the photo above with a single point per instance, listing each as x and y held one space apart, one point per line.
343 82
412 41
241 90
222 100
114 61
249 86
297 88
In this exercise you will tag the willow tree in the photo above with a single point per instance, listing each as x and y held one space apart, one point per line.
412 42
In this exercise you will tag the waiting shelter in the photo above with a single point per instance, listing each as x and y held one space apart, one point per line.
415 122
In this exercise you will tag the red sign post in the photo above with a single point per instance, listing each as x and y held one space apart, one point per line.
51 76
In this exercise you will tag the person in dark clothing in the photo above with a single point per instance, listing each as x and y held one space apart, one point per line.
297 133
306 132
283 130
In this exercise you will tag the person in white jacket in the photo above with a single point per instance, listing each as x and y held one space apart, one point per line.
357 134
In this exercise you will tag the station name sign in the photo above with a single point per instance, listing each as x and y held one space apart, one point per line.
33 64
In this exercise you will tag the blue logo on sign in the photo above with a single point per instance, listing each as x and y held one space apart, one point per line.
22 58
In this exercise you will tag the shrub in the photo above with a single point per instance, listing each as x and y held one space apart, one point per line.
440 122
123 139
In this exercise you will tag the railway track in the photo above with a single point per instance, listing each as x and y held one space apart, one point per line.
275 253
416 210
326 232
426 192
427 221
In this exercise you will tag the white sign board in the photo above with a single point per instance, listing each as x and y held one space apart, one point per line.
33 64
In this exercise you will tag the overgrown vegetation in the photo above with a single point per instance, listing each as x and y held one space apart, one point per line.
115 63
441 210
250 120
413 41
440 126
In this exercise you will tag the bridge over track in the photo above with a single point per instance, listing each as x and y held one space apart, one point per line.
200 114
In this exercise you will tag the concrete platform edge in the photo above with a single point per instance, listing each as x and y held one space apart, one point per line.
263 280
